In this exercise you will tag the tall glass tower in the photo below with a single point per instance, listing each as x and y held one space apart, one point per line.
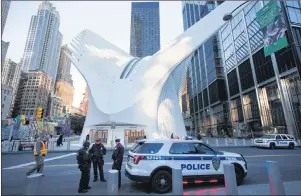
145 29
42 49
206 79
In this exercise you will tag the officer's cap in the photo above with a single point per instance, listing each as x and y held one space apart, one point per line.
117 140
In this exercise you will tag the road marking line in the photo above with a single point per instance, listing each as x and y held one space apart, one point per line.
273 155
46 160
62 165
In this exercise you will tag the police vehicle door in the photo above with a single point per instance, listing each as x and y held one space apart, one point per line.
205 163
278 141
184 155
284 142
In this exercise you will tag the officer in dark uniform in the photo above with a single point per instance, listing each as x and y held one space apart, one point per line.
117 157
84 164
97 151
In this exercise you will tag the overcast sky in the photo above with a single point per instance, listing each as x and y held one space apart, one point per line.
111 20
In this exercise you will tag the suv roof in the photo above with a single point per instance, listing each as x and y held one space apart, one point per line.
169 141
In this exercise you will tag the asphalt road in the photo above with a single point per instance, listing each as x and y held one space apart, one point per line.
62 175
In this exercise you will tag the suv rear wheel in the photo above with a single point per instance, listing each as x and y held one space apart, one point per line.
291 146
272 146
161 181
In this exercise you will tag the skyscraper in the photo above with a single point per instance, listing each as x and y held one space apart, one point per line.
145 29
64 84
33 92
206 79
43 43
4 12
10 77
5 5
64 67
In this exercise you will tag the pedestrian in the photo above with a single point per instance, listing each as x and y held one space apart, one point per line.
60 140
171 137
97 151
117 157
84 164
199 137
40 151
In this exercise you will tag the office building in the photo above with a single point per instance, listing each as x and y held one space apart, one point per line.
264 92
4 48
64 84
55 106
10 76
65 91
145 29
42 49
63 72
5 5
11 73
206 81
84 103
75 111
6 99
33 92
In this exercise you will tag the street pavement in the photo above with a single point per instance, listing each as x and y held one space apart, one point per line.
62 175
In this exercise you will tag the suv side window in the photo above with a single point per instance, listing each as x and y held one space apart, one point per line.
182 148
290 137
284 137
203 149
149 148
278 137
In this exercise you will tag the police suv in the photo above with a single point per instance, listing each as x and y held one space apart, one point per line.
151 161
276 141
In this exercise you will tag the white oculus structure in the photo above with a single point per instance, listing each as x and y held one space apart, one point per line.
129 90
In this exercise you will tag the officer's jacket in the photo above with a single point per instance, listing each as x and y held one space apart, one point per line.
118 153
83 156
98 150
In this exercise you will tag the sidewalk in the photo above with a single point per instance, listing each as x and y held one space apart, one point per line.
291 188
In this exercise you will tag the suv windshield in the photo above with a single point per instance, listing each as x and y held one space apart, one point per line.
268 137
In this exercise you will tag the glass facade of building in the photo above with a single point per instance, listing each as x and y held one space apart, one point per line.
233 89
206 80
42 49
264 93
145 29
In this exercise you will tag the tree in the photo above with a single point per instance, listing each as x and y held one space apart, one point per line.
77 123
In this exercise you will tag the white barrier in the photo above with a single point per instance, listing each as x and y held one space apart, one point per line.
230 180
275 179
112 186
177 184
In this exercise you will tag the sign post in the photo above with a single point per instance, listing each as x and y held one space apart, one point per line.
273 28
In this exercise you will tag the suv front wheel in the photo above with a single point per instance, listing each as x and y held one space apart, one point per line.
161 182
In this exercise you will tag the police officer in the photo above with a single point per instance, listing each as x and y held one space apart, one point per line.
117 157
97 151
84 164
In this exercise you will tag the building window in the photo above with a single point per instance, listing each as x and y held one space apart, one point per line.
236 110
271 106
263 66
250 106
285 59
245 74
233 83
